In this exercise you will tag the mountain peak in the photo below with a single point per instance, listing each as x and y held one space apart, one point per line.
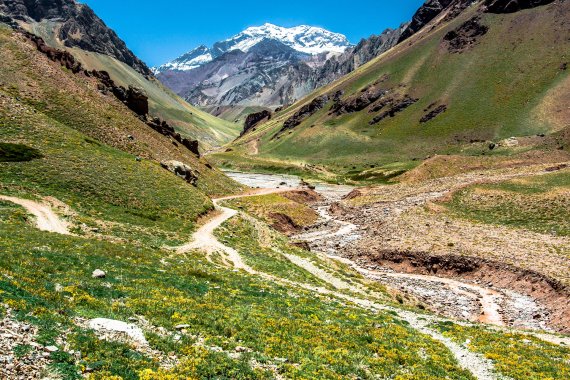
304 39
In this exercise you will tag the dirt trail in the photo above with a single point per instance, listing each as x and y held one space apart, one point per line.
204 239
46 218
480 367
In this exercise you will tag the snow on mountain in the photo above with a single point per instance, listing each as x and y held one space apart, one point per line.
305 39
188 61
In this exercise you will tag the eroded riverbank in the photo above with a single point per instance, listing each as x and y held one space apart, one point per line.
471 298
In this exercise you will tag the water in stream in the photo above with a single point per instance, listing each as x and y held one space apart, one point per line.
275 181
450 297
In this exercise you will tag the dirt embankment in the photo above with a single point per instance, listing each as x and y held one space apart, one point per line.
548 291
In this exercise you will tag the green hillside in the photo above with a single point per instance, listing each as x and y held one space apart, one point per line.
187 120
64 144
92 152
511 81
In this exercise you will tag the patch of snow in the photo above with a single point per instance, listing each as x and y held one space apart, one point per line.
304 38
188 61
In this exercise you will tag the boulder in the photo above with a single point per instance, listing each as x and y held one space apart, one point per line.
104 326
182 170
511 142
51 349
98 273
192 146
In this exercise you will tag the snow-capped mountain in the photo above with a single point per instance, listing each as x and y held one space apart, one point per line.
188 61
305 39
268 66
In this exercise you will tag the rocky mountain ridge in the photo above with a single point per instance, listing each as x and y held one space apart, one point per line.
270 73
77 26
305 39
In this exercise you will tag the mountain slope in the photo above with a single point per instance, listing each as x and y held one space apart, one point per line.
264 66
462 85
77 26
231 79
31 81
66 24
304 39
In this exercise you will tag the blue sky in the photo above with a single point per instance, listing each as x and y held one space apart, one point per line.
158 31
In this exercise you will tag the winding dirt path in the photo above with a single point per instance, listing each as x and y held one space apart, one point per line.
204 239
480 367
46 218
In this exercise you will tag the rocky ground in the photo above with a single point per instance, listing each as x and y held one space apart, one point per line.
21 357
405 218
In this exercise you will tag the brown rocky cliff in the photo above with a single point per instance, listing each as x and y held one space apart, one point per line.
80 27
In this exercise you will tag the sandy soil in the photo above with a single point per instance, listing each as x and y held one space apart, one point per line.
46 218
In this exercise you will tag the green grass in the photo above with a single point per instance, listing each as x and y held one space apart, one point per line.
263 250
518 356
100 183
264 205
538 203
493 91
317 338
74 102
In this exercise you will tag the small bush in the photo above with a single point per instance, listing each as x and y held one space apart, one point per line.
17 153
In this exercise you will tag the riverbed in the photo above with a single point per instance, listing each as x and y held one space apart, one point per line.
277 181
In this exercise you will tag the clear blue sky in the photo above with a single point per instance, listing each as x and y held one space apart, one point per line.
158 31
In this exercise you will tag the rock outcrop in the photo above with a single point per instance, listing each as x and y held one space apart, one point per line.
427 12
64 58
137 100
432 112
465 35
306 111
78 26
182 170
255 119
359 101
510 6
395 106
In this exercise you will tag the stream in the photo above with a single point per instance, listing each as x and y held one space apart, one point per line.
453 298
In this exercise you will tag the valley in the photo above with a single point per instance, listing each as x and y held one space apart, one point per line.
283 203
438 287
